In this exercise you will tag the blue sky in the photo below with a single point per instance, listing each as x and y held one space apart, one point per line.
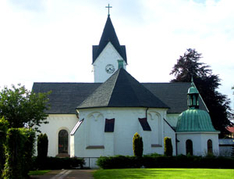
51 40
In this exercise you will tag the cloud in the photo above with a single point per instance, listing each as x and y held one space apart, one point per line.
52 40
29 5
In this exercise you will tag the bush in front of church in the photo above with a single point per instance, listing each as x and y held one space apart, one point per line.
168 150
162 161
137 145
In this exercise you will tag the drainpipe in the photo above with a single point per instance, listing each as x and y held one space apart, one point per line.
176 143
146 111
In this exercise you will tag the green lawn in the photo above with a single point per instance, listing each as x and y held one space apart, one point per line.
166 173
38 172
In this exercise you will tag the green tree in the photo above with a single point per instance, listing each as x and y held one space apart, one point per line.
21 107
137 145
188 66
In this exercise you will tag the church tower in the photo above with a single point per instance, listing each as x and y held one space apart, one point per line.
109 55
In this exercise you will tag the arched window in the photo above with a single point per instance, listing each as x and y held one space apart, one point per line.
209 146
189 147
63 142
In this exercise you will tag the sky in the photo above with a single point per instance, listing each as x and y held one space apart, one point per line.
51 40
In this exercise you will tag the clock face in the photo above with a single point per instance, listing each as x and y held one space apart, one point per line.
110 68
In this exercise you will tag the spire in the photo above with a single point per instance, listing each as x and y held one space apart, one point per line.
109 35
193 95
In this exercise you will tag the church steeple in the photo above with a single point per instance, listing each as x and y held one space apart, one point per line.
109 53
109 35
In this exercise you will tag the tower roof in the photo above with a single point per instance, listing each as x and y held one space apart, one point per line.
194 119
122 90
109 35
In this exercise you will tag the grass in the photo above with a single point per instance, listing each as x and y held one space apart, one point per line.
175 173
38 172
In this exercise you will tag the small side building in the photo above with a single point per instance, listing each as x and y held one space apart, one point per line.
195 132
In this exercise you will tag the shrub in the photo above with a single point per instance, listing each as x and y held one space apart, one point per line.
3 130
157 161
42 148
119 161
19 150
168 150
29 150
137 145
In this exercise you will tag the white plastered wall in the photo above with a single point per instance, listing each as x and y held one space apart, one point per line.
199 142
56 123
118 142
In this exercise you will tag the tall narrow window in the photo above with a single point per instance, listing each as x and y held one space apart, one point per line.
209 146
189 147
63 142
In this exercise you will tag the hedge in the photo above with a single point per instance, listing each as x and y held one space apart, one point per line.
3 131
19 151
157 161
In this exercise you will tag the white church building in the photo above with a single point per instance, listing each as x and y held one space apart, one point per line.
90 120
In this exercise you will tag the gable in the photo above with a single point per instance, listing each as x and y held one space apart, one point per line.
109 55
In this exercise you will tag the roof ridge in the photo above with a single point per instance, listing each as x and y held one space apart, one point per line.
122 90
113 87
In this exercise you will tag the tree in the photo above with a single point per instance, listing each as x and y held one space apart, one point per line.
21 107
188 66
137 145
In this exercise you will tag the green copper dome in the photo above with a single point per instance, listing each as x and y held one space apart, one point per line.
194 120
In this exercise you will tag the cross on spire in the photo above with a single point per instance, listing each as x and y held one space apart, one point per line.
108 9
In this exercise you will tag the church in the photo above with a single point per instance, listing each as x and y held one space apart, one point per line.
90 120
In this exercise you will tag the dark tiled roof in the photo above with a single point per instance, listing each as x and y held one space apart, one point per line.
122 90
173 94
109 35
65 97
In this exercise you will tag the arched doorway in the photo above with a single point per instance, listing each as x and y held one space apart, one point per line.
189 147
63 142
209 146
